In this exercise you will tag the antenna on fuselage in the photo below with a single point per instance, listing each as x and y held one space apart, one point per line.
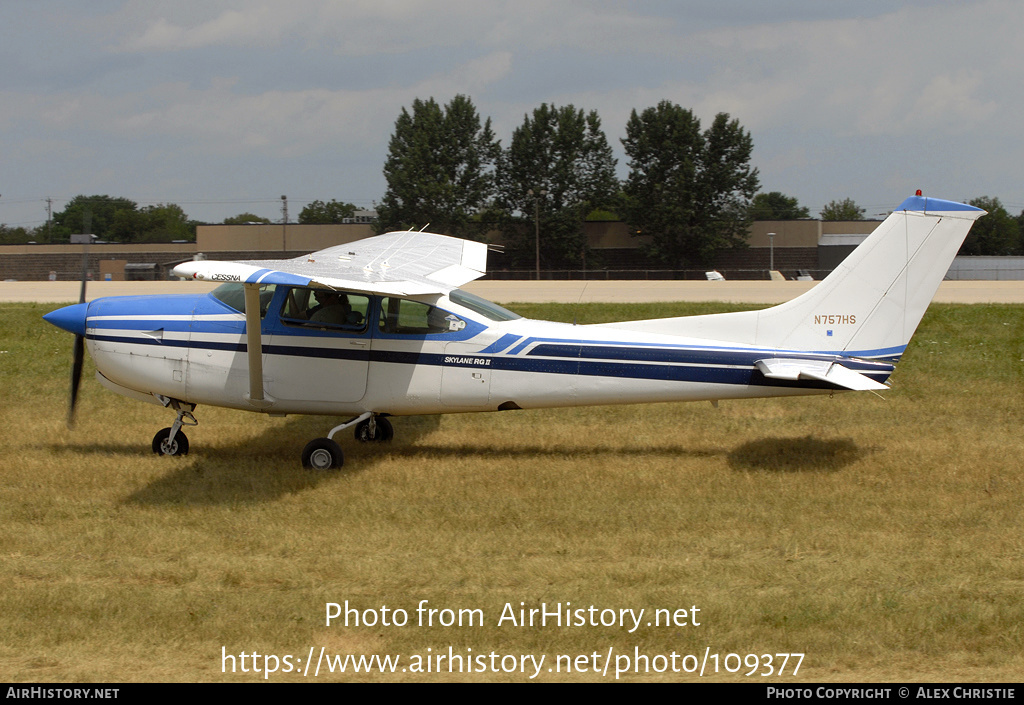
579 301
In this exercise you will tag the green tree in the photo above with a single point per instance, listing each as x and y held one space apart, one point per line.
998 233
246 218
688 190
319 213
558 168
15 236
103 215
439 170
119 220
165 222
776 206
845 209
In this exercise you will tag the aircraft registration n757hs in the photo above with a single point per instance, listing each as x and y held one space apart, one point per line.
379 328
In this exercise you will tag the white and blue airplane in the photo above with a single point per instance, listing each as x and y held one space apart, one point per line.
380 327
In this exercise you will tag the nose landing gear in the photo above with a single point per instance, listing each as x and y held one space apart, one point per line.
171 441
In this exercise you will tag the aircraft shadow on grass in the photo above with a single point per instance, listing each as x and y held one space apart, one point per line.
250 470
807 455
261 469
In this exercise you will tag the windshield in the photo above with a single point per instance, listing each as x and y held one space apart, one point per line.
233 295
482 306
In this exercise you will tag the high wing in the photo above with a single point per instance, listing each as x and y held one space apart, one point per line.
399 263
394 264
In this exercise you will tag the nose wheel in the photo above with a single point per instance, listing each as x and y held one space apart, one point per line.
165 444
171 441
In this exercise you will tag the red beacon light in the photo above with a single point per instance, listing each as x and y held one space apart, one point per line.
919 193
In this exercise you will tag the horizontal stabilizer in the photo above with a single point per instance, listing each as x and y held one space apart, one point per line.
822 370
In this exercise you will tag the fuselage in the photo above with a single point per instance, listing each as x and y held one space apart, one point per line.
412 355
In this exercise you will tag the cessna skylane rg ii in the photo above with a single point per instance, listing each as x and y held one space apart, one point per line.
379 328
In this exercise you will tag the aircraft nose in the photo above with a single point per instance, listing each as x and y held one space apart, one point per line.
69 318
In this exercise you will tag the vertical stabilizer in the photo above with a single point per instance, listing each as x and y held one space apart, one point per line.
869 306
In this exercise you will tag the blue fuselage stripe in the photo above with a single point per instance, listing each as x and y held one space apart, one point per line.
703 366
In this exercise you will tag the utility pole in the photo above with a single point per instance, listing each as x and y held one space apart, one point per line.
49 216
284 223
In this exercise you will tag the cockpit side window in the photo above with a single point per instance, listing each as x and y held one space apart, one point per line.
325 308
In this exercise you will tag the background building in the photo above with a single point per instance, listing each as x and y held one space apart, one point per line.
814 247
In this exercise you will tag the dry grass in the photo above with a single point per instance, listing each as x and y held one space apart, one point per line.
881 538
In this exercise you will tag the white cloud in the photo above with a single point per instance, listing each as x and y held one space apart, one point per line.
222 120
366 27
890 75
257 26
232 86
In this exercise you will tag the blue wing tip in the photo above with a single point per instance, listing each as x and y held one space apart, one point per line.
925 204
272 276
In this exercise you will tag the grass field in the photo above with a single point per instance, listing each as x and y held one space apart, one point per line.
883 539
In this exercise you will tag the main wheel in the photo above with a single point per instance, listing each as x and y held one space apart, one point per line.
162 445
385 431
322 454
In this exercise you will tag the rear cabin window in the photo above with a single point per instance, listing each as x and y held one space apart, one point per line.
406 317
482 306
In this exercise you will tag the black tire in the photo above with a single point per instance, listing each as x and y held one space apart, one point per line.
322 454
179 446
385 431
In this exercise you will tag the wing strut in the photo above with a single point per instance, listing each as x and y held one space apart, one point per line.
254 344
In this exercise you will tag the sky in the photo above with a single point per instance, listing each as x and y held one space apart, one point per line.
222 107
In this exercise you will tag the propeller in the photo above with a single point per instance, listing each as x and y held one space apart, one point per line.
78 351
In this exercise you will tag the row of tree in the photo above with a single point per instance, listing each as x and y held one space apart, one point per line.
314 213
997 234
113 219
690 189
779 206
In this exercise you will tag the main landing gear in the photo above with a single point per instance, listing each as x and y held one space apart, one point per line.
375 429
325 453
171 441
322 454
